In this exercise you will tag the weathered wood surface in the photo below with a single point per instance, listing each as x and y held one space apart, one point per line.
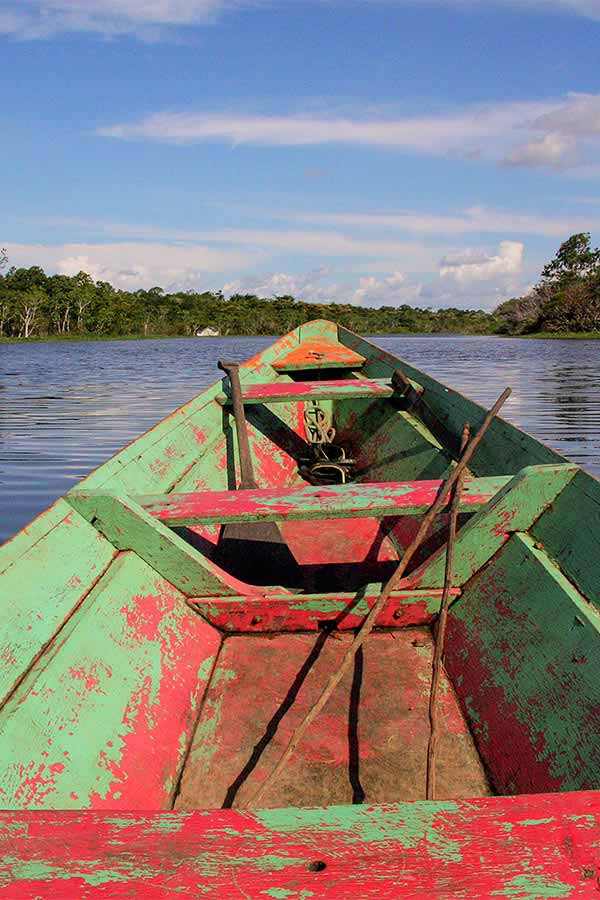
369 500
129 527
44 576
389 444
515 508
309 612
523 650
514 848
369 744
570 533
283 391
318 354
104 718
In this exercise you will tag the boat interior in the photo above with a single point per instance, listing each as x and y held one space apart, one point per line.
188 625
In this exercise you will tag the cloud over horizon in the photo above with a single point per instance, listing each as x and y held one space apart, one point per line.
555 133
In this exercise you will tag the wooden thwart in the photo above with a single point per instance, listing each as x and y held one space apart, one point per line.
278 612
284 391
345 501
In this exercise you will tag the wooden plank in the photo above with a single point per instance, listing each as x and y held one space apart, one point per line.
569 531
523 649
318 354
49 572
104 718
343 501
502 847
310 612
369 746
515 508
129 527
280 392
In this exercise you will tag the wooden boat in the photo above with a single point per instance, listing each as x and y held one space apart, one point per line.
150 680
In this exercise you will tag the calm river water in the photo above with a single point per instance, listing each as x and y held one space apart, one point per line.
65 408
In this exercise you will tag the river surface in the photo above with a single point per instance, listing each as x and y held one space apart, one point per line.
65 408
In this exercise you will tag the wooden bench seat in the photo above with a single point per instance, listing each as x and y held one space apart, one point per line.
344 501
284 391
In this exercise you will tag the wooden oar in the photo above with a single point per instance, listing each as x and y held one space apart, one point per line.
269 552
371 619
441 628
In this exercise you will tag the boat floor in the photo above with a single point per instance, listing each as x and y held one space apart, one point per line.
368 745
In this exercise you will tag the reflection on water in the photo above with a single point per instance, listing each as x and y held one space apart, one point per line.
65 408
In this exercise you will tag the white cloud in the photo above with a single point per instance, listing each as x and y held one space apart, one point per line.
389 290
157 18
457 132
472 265
578 116
476 279
473 220
131 265
554 150
145 18
555 133
321 243
467 280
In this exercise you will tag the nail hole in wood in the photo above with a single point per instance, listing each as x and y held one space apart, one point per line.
317 866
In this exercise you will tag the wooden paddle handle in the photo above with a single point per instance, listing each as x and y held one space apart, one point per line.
232 369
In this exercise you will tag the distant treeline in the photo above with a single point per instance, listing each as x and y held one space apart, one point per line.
33 304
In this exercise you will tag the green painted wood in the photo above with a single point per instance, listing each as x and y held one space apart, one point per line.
570 533
523 648
344 501
103 720
515 508
52 568
389 444
284 391
129 527
23 541
505 447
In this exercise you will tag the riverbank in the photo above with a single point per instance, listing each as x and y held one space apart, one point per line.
77 338
560 336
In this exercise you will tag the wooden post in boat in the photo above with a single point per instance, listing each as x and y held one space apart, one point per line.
441 628
269 549
232 369
371 618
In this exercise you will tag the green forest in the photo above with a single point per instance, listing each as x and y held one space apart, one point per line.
34 305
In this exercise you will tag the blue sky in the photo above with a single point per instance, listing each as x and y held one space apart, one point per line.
366 151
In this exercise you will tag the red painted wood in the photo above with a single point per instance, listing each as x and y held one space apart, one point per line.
281 612
300 503
335 388
519 848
